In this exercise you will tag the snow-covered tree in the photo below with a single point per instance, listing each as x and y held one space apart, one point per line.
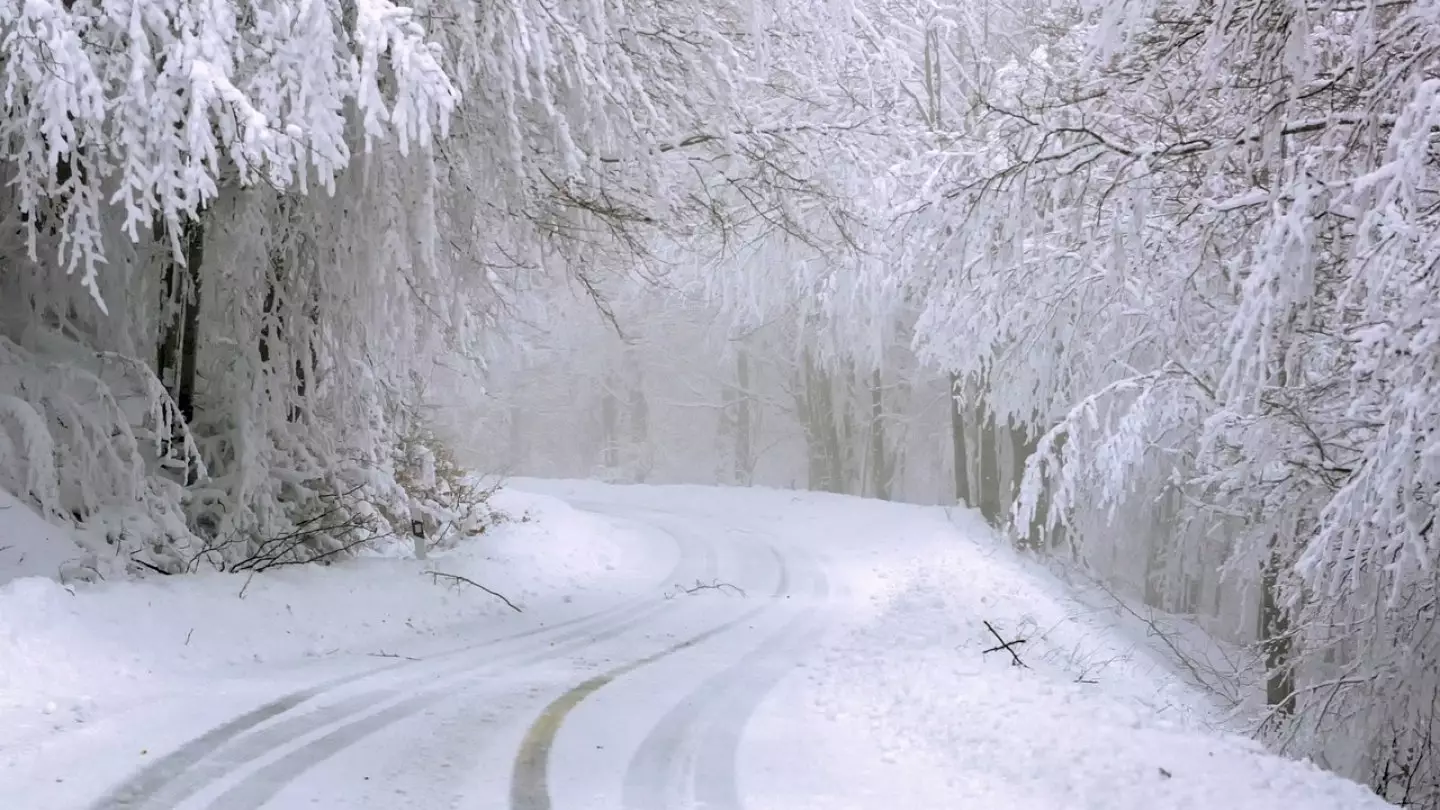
254 232
1193 243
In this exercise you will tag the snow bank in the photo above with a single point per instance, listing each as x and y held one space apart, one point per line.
1095 719
29 545
67 651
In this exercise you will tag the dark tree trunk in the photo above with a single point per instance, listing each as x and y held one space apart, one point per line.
990 480
178 343
1275 638
193 238
957 442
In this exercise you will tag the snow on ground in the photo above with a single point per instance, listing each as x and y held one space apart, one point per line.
900 706
68 652
30 546
896 705
1093 720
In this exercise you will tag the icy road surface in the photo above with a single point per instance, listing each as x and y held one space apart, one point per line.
679 647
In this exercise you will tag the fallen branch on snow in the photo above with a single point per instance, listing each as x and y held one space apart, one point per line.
456 578
701 586
383 654
1007 646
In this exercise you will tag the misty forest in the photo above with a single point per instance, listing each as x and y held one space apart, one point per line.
1153 285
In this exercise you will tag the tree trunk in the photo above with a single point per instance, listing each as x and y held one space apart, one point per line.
1021 447
840 440
178 343
306 356
639 425
609 426
822 434
193 237
281 314
990 501
167 349
1039 535
744 449
1154 572
727 440
880 466
957 442
1275 639
1274 630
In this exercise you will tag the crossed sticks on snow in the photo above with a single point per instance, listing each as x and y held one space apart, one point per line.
1007 646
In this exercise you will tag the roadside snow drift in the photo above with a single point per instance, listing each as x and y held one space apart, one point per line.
1091 721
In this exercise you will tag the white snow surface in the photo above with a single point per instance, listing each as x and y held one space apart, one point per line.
30 546
839 664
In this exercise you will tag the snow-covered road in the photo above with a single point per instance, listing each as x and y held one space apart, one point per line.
559 710
726 649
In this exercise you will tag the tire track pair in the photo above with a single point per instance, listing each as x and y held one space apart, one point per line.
529 786
710 722
242 740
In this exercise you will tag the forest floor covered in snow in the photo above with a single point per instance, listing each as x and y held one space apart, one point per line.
838 663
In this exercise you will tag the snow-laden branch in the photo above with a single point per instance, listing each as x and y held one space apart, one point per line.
153 106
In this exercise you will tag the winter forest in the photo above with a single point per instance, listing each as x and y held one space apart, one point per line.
1152 284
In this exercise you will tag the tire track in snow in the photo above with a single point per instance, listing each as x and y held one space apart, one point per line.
255 743
259 787
262 785
529 784
171 779
681 762
715 771
137 791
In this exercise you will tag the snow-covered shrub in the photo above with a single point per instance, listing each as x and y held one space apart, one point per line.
450 502
83 438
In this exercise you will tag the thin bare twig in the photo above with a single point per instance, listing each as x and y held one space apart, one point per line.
435 576
1007 646
715 585
383 654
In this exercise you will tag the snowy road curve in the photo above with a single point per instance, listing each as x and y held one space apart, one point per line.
688 756
680 647
719 649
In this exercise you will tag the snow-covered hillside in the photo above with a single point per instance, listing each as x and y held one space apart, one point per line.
837 661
